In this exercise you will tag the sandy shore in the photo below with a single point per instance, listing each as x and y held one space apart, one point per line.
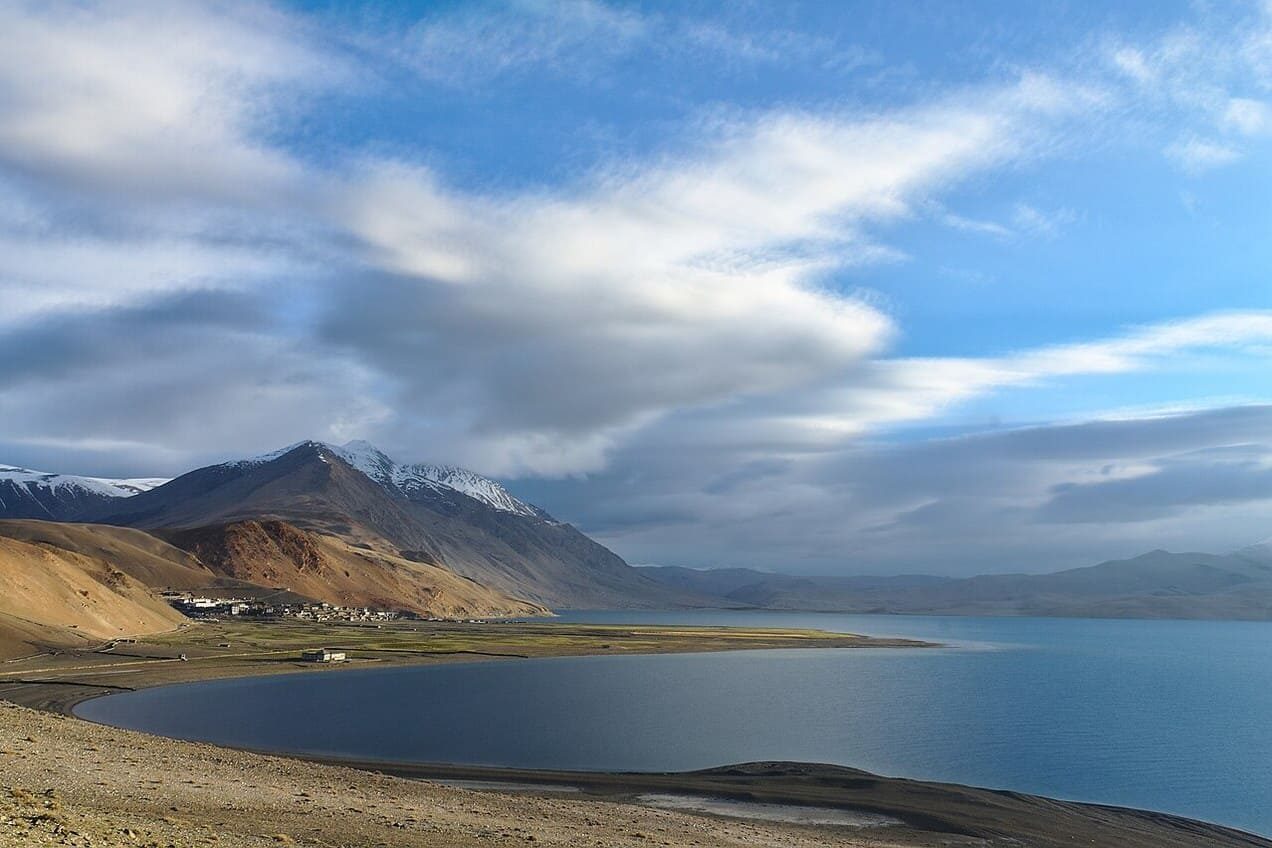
64 781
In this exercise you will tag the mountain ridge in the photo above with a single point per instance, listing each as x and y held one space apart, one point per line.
25 493
1156 584
432 515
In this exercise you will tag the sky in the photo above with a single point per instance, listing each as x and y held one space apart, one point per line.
827 288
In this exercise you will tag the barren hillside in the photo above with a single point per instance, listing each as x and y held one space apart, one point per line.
49 595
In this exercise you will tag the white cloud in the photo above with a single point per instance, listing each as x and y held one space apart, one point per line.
1011 499
136 155
975 225
1207 76
1197 155
1035 221
883 393
99 272
1248 117
685 282
1025 220
151 98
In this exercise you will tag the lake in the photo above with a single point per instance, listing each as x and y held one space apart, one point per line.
1166 715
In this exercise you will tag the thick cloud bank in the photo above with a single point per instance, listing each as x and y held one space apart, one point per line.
189 270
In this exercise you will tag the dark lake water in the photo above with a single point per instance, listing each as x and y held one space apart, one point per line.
1166 715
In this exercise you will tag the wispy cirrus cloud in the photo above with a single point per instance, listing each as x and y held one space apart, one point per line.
1218 71
474 45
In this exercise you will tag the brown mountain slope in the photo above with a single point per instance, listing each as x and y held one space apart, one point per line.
64 597
275 553
138 554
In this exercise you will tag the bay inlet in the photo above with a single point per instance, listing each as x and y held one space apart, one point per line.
1162 715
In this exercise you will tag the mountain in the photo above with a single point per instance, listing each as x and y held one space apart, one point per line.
60 497
1157 584
432 515
348 525
1260 552
411 480
85 587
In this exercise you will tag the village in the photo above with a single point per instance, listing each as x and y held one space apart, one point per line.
213 609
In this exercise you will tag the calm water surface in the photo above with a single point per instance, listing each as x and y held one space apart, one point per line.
1173 716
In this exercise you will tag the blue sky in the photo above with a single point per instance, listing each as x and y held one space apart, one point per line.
807 287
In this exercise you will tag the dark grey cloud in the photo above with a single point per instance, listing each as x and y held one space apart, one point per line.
69 343
1028 499
1204 479
188 378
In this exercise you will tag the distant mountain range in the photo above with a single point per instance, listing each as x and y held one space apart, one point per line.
1158 584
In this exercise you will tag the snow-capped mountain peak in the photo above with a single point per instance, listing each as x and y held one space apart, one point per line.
25 493
368 459
408 479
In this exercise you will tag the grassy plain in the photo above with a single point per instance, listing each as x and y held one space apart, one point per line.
232 648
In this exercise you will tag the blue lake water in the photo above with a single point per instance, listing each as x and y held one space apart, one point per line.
1166 715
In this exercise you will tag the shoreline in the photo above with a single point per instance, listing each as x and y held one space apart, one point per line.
925 813
59 680
921 804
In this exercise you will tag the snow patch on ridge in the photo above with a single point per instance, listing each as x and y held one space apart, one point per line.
467 482
408 478
111 488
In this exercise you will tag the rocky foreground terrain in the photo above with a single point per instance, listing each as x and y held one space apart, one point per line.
69 782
